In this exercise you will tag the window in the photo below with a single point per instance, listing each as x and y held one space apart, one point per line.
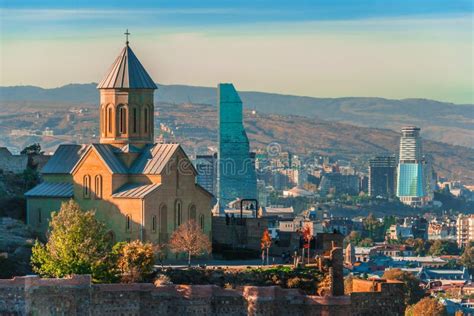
86 186
177 214
145 119
39 216
192 212
134 120
109 119
122 120
201 221
98 187
128 223
153 223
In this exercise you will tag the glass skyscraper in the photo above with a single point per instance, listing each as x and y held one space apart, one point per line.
410 176
236 176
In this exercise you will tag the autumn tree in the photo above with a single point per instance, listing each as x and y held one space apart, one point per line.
427 306
135 260
413 291
77 244
265 243
190 239
467 258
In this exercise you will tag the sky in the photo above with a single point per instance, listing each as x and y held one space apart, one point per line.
322 48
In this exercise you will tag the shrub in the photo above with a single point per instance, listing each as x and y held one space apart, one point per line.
161 280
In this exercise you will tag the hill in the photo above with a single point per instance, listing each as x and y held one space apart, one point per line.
441 121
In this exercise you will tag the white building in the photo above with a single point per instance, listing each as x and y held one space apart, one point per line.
465 229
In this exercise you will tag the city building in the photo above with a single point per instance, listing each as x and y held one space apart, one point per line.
382 176
236 176
400 232
411 186
206 166
337 184
465 229
139 190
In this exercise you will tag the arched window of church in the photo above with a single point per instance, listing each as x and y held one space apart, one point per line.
145 119
128 224
201 221
177 214
192 212
98 187
134 120
163 223
153 223
122 120
109 119
86 186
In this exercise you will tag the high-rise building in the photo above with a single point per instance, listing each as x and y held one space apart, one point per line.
206 166
465 229
236 176
382 176
411 188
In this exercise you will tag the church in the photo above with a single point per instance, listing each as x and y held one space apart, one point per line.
139 189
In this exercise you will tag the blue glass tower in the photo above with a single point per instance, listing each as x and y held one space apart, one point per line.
236 177
410 178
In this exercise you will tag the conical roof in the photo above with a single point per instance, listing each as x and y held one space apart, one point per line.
127 72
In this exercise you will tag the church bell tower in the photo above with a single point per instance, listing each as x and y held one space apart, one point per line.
126 102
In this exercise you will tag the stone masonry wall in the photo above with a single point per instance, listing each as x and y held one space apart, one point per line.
377 298
32 295
12 163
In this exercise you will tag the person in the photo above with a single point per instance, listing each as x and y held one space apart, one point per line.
263 257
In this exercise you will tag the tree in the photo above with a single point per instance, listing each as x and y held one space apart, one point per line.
418 245
306 240
190 239
353 238
77 244
135 260
34 149
443 247
467 258
265 243
428 306
373 227
413 291
366 242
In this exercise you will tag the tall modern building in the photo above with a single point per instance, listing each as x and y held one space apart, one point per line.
410 177
382 176
236 176
206 166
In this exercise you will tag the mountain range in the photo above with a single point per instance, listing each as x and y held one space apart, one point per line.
440 121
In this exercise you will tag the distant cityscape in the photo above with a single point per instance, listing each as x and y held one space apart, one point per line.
348 237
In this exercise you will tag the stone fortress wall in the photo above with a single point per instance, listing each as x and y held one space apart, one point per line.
32 295
12 163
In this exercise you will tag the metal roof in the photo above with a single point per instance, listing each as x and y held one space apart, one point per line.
153 159
106 152
64 159
127 72
135 190
51 189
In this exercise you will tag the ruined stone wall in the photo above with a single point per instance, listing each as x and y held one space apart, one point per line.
377 298
12 163
77 296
